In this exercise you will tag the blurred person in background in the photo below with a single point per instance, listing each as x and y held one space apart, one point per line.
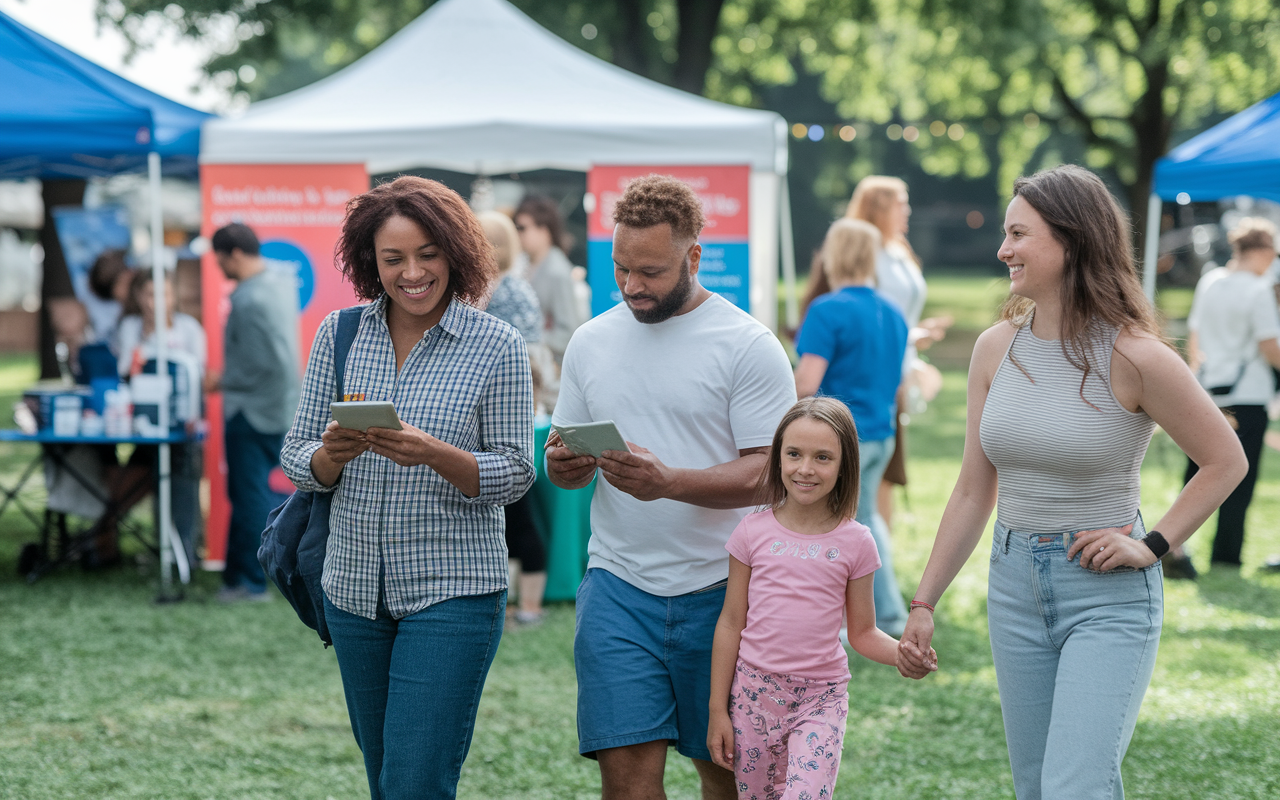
1232 347
135 346
541 228
259 386
883 201
851 347
110 279
515 303
415 575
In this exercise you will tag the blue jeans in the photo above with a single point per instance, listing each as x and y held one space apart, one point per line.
1074 650
891 612
251 455
413 686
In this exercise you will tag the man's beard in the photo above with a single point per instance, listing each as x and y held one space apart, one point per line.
665 307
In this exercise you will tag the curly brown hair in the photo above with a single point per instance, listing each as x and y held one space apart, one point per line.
655 199
440 212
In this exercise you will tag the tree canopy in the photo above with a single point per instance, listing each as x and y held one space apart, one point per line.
972 85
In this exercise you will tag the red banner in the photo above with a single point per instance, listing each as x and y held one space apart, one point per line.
722 189
297 212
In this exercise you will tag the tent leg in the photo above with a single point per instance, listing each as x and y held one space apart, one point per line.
1151 251
786 240
171 549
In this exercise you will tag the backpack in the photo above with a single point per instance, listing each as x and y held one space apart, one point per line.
297 532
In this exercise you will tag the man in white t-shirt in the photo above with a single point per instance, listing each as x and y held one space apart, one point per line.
1233 347
696 386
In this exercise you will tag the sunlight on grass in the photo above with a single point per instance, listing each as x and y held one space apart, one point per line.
104 694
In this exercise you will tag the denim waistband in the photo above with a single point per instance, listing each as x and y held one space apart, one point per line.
1061 539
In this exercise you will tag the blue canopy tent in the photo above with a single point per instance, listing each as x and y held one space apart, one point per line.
1239 156
62 116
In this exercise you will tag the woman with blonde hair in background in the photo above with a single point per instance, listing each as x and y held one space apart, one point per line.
514 302
883 201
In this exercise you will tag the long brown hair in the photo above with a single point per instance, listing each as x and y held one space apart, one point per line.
1099 282
843 499
873 198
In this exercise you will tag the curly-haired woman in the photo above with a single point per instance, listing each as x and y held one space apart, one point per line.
415 576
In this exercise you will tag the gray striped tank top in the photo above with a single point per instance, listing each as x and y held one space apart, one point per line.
1062 464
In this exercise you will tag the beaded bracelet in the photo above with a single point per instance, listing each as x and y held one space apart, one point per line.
921 604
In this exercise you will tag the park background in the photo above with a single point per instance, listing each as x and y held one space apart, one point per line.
104 695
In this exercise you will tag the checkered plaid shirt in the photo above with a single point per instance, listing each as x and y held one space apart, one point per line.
406 531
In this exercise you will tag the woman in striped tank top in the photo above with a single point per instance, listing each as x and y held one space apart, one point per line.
1064 393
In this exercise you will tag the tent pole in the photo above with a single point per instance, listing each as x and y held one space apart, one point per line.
1151 251
786 239
171 548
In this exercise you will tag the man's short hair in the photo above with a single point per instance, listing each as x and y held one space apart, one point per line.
236 236
655 199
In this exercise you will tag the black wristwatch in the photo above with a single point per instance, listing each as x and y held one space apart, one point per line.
1156 542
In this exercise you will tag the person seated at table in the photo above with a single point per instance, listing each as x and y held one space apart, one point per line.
135 339
111 280
135 346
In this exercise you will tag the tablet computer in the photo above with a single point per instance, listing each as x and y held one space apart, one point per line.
591 438
362 415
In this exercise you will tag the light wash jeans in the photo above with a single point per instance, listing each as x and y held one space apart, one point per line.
1074 651
891 612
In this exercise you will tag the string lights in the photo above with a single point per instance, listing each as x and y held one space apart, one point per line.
908 132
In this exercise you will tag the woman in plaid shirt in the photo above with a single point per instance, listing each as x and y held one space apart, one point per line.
415 576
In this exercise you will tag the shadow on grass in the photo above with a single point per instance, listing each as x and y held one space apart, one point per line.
1226 587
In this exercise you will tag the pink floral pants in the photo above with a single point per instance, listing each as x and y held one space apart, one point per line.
787 734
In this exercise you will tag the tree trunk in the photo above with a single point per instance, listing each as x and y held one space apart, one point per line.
699 21
628 46
1151 129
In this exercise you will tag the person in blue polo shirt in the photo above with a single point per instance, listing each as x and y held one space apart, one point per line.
851 348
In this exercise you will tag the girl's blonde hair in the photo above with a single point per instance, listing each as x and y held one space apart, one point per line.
849 251
873 198
843 499
501 233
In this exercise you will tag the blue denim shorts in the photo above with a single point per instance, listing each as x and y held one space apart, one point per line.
644 665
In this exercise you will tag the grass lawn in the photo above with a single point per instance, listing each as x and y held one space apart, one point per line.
104 694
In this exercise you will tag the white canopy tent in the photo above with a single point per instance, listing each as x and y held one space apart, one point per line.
476 86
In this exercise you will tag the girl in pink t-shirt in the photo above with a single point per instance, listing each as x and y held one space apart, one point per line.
779 674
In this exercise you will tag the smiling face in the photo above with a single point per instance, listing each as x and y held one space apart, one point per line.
653 272
1035 258
810 460
413 271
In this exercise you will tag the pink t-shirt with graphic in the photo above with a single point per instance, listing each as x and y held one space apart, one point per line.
795 601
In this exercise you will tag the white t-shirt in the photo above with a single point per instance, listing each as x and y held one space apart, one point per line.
1232 312
694 390
185 336
898 279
